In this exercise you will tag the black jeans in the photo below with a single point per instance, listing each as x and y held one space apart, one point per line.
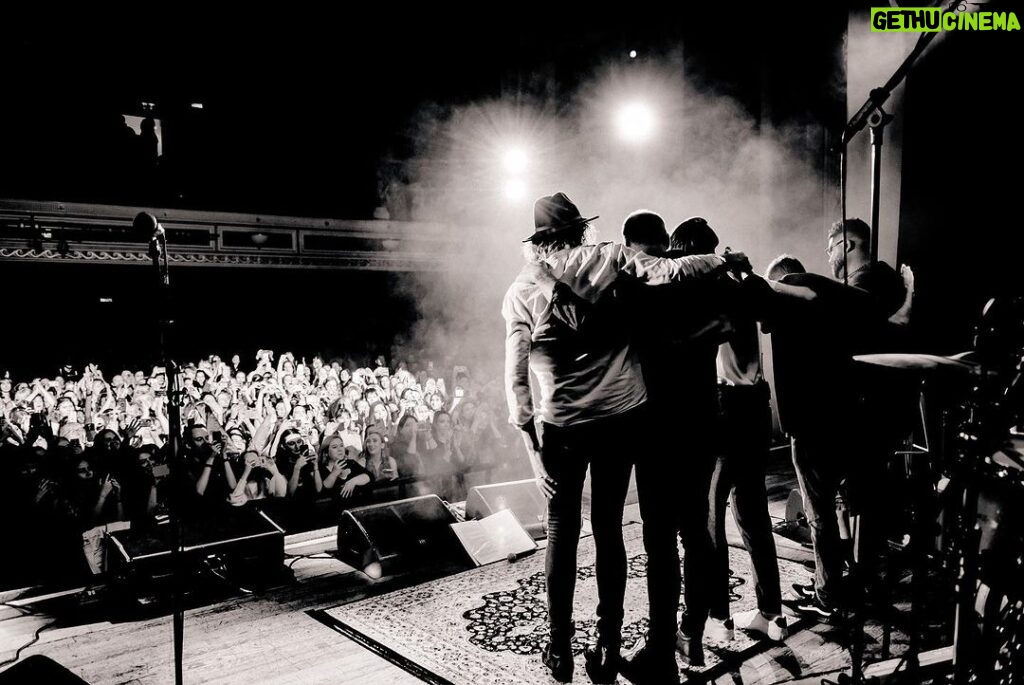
820 462
740 471
607 446
684 431
657 485
698 547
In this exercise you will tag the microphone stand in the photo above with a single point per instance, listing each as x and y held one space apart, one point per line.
158 253
871 115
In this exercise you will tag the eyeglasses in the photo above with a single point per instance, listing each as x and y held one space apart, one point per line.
293 443
833 245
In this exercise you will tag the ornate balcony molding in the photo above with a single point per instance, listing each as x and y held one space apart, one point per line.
64 232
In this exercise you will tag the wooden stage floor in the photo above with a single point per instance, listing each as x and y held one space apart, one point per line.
269 638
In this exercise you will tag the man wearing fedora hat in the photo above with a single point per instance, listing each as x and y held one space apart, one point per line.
590 403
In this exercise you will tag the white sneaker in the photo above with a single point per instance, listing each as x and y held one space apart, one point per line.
778 629
775 628
719 630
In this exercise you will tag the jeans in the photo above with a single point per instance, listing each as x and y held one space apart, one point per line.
740 472
698 548
606 446
657 484
685 429
820 462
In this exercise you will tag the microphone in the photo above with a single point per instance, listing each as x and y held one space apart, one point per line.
145 224
516 556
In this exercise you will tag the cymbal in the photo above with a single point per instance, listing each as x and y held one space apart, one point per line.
918 362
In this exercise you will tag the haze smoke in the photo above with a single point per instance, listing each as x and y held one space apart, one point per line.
761 188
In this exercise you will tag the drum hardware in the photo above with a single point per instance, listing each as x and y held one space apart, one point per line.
982 454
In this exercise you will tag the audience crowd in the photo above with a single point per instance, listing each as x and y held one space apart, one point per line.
84 450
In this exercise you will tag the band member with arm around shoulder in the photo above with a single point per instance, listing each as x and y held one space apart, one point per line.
590 400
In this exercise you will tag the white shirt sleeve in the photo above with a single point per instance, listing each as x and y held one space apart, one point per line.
518 329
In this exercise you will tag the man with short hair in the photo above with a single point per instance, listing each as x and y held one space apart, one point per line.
878 279
677 356
590 409
886 403
814 336
644 230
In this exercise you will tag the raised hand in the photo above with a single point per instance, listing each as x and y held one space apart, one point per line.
908 277
132 428
737 261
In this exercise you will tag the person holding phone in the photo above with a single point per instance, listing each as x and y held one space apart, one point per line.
406 445
204 459
344 468
91 499
259 479
296 461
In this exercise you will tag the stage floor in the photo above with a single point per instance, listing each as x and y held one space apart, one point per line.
272 638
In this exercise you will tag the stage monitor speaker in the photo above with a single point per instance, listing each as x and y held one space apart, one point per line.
392 537
39 670
523 497
240 543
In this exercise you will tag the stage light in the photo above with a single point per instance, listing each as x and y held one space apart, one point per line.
374 570
632 54
197 105
515 190
515 160
635 122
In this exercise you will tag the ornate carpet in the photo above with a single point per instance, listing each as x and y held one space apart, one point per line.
489 624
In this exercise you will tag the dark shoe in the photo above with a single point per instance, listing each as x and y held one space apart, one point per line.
602 663
559 662
804 591
648 666
812 608
691 649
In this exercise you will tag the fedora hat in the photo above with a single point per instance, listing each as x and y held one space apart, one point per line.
553 214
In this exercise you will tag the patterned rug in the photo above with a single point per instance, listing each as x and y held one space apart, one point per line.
489 624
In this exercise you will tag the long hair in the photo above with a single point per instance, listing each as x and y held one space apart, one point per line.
385 453
323 454
406 418
282 451
536 252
